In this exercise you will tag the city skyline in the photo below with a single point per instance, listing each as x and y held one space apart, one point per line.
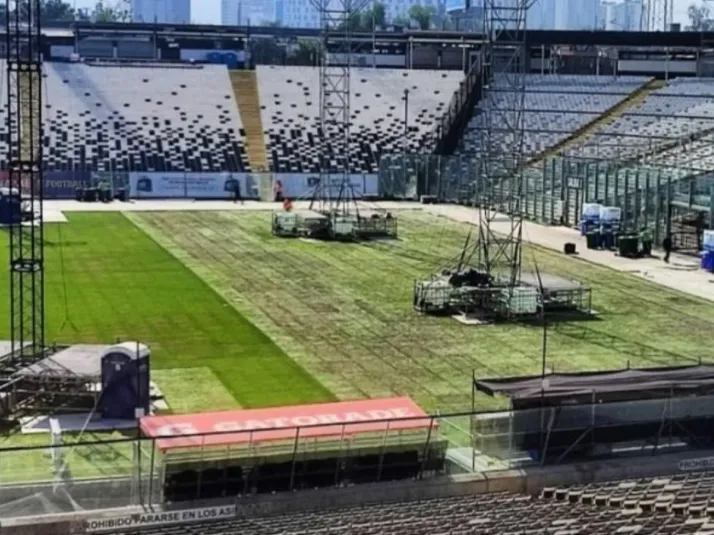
209 11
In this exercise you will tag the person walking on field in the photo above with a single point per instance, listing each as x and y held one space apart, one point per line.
667 246
236 193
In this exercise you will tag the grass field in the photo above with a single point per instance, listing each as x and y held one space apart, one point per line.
106 279
343 311
236 317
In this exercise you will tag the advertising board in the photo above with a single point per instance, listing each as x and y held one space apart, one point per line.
62 184
296 186
189 185
321 420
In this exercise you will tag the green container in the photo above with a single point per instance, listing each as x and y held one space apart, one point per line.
593 240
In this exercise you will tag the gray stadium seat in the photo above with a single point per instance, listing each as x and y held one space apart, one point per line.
148 117
290 110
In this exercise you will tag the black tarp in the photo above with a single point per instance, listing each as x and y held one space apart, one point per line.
622 385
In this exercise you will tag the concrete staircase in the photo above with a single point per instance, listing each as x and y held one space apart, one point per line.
583 134
245 89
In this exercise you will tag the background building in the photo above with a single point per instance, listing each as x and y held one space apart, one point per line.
576 14
625 15
255 12
172 11
297 14
541 15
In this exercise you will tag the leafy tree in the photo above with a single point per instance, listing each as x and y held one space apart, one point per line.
422 15
267 51
56 10
700 18
368 20
401 20
306 52
50 11
375 17
117 11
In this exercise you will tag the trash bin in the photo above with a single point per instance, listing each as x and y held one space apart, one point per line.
627 246
593 239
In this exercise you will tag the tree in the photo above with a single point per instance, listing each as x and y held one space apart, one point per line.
305 52
375 17
422 15
117 11
401 20
56 11
50 11
700 18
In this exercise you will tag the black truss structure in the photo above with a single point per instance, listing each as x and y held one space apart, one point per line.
24 96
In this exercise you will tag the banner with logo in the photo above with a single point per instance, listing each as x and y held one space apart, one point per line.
297 186
63 184
190 185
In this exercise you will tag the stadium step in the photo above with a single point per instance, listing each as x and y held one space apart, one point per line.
245 89
580 136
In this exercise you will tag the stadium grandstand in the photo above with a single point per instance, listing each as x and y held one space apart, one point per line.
185 113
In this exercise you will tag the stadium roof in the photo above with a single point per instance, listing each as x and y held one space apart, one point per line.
534 37
611 385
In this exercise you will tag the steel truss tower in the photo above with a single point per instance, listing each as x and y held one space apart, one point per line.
24 95
500 184
334 192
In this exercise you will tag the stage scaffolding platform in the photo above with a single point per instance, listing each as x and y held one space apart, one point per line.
472 293
69 379
311 224
560 294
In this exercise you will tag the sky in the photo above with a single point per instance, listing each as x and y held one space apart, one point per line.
209 11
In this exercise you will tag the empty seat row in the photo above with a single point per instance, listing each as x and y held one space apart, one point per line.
142 118
390 111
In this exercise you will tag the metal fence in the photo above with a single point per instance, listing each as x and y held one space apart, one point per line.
554 189
97 474
647 426
53 478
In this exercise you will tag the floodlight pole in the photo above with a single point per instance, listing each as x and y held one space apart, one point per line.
24 101
336 20
504 68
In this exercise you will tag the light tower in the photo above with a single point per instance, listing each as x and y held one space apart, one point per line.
486 277
334 210
24 96
500 184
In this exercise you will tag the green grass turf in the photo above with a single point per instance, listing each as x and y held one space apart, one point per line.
343 311
121 284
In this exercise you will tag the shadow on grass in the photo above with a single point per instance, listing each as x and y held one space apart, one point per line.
622 345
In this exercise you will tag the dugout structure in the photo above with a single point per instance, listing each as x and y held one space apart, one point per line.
585 416
262 451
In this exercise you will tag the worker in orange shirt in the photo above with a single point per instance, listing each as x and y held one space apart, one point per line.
287 205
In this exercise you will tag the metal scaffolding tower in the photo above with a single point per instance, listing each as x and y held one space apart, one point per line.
500 184
334 192
24 96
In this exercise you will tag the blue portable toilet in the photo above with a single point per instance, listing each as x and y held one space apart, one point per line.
214 57
10 206
231 60
125 381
